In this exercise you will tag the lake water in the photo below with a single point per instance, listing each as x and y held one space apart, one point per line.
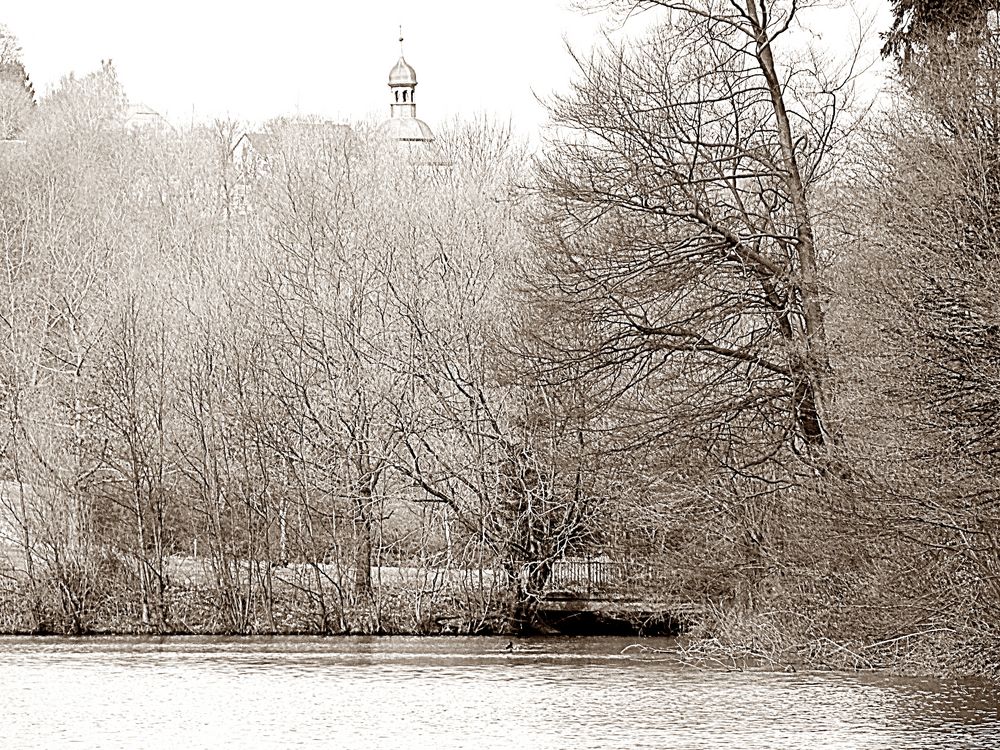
455 693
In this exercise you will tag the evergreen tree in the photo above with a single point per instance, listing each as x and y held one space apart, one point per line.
17 95
918 25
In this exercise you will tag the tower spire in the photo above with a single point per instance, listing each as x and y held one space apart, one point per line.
403 125
402 85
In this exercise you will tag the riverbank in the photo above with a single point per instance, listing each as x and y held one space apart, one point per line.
708 646
194 597
197 596
741 641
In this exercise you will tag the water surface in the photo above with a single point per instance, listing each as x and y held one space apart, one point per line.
455 693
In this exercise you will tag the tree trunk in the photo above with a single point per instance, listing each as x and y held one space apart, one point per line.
363 545
809 400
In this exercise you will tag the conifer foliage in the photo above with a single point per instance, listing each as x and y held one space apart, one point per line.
17 95
917 22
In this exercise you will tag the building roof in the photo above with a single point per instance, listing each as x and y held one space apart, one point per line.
260 146
261 143
402 74
410 136
406 129
141 116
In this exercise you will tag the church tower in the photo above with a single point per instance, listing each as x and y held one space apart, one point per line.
403 124
403 87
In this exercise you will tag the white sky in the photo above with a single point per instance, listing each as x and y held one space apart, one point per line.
252 61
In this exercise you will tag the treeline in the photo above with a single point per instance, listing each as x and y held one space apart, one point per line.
723 326
794 301
270 385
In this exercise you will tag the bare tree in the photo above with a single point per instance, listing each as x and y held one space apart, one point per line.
133 412
924 264
679 222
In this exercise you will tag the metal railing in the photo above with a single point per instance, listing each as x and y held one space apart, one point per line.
599 575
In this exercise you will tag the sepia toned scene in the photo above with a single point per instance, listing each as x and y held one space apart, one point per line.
655 405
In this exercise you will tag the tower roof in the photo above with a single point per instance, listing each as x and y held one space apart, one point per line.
408 135
406 129
402 74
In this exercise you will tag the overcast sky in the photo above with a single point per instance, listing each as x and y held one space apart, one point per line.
253 61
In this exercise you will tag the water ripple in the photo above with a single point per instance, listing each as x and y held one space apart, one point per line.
455 693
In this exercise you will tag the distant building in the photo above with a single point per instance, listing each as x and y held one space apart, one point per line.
403 126
253 152
140 116
259 155
403 123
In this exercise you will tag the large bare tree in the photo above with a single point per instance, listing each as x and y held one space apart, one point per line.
679 220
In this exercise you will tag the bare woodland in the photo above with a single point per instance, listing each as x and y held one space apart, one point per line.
721 325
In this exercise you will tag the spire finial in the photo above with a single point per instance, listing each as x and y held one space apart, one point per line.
400 40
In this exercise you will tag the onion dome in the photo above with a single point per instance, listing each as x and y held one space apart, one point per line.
412 139
402 74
